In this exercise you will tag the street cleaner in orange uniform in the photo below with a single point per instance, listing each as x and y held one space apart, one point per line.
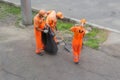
51 20
39 24
77 41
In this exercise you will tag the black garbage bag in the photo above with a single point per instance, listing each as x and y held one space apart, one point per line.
44 37
49 42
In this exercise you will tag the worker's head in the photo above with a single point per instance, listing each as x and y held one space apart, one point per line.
42 13
48 12
82 22
59 15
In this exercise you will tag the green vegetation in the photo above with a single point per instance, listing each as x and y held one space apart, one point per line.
6 9
9 9
93 39
63 25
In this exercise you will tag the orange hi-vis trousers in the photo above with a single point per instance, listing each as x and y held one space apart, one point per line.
39 43
76 50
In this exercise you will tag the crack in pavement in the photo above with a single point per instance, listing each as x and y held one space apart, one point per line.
12 74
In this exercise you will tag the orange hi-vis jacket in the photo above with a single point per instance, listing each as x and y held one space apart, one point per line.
40 23
51 20
79 33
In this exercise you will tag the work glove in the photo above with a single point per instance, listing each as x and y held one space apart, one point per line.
80 31
45 31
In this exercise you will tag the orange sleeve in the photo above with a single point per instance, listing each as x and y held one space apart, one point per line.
49 20
73 29
52 23
36 23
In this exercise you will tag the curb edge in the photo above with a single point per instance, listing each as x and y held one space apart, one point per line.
69 19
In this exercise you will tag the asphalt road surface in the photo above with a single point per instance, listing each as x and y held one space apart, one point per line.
105 13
